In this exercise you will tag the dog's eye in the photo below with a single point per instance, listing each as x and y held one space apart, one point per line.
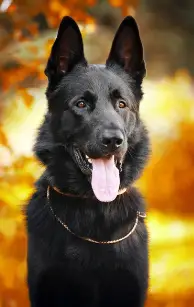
81 104
122 104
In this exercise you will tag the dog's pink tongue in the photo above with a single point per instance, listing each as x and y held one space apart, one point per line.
105 179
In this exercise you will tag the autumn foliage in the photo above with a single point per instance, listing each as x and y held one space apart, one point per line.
167 183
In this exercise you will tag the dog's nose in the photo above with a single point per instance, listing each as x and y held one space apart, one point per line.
112 139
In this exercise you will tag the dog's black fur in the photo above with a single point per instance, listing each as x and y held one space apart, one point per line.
83 102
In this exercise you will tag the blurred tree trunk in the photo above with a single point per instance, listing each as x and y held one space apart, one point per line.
168 34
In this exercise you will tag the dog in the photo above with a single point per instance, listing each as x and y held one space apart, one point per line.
87 238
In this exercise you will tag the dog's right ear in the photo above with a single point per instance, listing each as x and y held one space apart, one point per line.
67 50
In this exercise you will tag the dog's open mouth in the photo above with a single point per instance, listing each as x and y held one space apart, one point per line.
85 163
104 174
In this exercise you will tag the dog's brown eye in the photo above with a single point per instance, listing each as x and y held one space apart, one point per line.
122 104
81 104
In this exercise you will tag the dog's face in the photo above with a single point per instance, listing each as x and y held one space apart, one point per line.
93 109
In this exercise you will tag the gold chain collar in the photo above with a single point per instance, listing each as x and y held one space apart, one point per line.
139 214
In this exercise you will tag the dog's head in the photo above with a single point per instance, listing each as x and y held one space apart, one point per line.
93 112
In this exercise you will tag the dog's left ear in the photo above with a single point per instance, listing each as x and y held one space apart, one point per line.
67 50
127 49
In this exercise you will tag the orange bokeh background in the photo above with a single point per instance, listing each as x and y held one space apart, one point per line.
27 30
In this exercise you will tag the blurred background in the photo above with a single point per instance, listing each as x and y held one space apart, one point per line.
27 31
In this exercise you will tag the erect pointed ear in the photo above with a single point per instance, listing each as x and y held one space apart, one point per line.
127 49
67 50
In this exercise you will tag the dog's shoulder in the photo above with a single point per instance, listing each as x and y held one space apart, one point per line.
36 205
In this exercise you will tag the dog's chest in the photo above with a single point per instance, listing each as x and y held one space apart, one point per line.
87 255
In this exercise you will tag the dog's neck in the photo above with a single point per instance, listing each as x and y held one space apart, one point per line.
120 192
89 218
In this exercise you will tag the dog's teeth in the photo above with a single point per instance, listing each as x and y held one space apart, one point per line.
89 160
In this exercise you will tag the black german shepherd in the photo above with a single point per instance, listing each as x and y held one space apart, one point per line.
87 241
